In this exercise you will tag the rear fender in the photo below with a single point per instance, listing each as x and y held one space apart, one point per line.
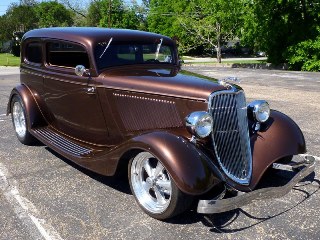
34 115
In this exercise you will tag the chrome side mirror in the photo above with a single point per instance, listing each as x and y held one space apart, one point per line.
80 71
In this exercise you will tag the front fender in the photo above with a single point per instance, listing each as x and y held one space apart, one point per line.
35 117
190 169
280 137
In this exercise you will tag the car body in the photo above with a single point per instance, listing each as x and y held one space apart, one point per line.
115 100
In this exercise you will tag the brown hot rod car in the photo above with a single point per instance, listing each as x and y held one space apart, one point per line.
116 100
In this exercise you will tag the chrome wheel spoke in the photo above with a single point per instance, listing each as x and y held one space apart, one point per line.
165 185
160 195
147 186
157 171
148 168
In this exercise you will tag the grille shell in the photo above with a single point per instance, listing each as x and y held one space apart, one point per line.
230 134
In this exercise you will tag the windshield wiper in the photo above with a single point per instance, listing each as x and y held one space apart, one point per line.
158 48
106 48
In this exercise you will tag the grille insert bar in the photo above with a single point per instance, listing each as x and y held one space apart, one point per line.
231 135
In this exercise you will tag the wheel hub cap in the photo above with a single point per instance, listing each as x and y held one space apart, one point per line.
19 119
151 183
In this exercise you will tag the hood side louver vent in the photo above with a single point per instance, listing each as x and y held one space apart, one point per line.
143 113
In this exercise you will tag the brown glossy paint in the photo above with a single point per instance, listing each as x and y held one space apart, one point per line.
34 116
191 169
161 81
56 97
280 137
76 111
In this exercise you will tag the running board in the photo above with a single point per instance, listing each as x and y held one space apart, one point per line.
56 140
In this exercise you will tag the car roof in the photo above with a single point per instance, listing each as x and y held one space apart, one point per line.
91 35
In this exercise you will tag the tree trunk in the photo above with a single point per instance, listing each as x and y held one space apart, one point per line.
219 52
218 27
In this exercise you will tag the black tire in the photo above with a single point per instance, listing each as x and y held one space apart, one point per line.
20 121
172 200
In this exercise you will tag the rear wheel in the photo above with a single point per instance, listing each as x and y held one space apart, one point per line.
20 121
154 189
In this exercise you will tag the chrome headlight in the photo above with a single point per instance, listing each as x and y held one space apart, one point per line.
259 110
199 124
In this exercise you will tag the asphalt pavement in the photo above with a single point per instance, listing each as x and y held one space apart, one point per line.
44 196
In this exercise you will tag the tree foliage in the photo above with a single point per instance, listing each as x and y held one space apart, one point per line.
197 23
213 22
163 18
115 14
305 55
79 9
53 14
272 26
30 14
17 18
285 29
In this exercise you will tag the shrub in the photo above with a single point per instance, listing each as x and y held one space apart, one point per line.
305 55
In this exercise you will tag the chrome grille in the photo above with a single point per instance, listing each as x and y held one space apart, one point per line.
231 135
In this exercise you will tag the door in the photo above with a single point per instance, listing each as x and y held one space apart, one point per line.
71 99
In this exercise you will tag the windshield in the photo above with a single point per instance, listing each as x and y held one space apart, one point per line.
108 54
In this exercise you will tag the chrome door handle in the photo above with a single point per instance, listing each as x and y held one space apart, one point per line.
90 90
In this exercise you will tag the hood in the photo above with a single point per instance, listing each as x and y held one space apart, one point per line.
164 81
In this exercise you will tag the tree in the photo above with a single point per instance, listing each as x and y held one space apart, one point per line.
214 21
53 14
197 23
17 18
272 26
79 8
305 55
115 14
163 19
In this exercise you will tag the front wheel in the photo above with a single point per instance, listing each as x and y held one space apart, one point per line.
154 189
19 120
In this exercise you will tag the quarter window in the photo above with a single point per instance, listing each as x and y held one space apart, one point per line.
66 55
34 52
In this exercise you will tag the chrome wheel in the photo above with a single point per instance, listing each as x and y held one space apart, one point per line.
19 119
151 183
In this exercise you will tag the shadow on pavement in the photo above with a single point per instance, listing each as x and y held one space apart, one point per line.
221 223
118 182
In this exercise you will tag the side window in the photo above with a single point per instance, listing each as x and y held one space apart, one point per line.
65 54
34 52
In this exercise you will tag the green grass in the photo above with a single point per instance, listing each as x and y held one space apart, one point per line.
243 61
230 61
187 58
7 59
